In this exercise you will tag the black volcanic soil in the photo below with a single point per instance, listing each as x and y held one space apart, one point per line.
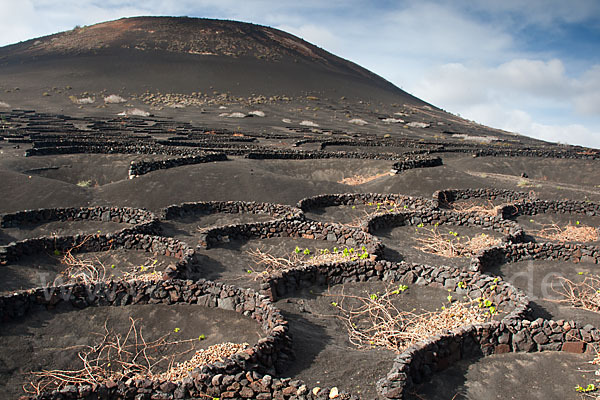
86 170
548 375
210 70
58 228
577 172
52 339
325 356
188 228
348 214
233 264
541 281
402 243
43 269
534 224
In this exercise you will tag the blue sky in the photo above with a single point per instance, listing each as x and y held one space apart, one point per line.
531 67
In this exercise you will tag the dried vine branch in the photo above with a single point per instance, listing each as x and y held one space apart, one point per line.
569 233
375 321
453 245
117 356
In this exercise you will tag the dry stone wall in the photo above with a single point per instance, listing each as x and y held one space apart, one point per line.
512 231
341 235
329 200
242 374
143 220
138 168
231 207
445 197
418 363
95 243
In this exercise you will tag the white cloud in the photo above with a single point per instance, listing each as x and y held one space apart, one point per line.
571 134
544 13
439 31
28 19
534 77
506 96
521 122
18 26
462 84
314 34
587 99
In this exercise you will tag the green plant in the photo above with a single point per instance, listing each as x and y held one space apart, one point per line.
487 303
401 289
495 285
84 184
589 388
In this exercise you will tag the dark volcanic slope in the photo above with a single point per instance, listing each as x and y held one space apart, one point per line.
196 53
204 37
183 67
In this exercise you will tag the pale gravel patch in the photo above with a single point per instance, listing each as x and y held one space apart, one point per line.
134 112
392 120
114 99
358 121
418 125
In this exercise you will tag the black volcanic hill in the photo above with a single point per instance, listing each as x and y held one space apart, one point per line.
192 53
191 69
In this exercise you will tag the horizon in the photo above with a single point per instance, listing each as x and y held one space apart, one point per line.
532 70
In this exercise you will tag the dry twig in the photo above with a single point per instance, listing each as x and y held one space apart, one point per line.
81 271
214 353
268 263
452 244
377 322
585 294
147 272
472 207
570 233
361 179
117 356
382 207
